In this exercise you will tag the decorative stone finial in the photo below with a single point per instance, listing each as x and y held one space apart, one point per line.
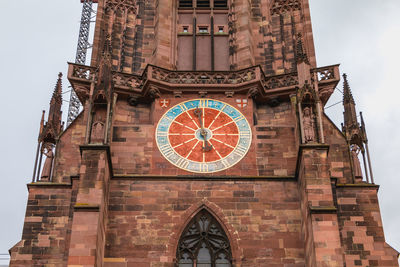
301 55
347 95
53 126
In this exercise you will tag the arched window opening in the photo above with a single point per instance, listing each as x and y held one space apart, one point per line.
204 243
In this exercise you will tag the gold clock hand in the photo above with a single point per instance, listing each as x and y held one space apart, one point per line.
198 113
207 147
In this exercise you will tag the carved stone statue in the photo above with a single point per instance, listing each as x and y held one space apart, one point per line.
355 150
97 135
48 163
308 125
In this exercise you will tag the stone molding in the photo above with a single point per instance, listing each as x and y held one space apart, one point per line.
169 81
202 178
86 207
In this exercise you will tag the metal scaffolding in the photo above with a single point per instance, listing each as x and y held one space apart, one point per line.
81 52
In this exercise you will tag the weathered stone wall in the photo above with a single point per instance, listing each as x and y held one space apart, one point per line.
68 157
130 26
361 227
46 234
90 210
339 154
263 32
134 150
132 139
146 217
319 220
275 140
275 25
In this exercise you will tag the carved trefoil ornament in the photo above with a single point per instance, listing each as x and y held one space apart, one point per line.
281 6
121 5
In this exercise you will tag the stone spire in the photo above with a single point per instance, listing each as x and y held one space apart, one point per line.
56 103
303 65
347 95
53 126
350 116
41 124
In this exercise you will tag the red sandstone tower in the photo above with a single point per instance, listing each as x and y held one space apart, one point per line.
203 142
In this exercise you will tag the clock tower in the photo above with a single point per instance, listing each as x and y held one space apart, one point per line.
203 142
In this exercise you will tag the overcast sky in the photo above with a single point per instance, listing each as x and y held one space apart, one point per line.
39 37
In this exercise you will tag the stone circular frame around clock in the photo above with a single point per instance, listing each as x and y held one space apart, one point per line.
180 142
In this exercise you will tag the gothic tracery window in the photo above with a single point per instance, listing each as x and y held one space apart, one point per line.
204 243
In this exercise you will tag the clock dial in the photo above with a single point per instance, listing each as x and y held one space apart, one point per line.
203 135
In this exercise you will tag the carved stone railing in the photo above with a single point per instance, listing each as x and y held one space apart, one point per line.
127 81
327 74
80 72
327 77
81 76
280 81
204 77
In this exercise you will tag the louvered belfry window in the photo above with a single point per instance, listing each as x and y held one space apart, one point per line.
204 243
203 36
220 3
185 3
203 3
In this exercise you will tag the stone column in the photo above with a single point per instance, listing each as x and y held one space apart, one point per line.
244 38
320 228
90 212
165 34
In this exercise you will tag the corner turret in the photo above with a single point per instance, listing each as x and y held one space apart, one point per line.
48 136
355 135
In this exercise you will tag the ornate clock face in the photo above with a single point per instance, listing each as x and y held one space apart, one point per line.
203 135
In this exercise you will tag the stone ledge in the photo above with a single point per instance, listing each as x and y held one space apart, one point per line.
48 184
114 259
358 185
314 146
94 147
75 177
202 178
322 209
86 207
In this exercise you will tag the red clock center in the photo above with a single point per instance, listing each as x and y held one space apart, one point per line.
188 140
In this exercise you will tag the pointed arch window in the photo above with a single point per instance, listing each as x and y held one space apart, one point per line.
204 243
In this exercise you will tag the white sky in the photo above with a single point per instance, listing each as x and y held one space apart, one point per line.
39 37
